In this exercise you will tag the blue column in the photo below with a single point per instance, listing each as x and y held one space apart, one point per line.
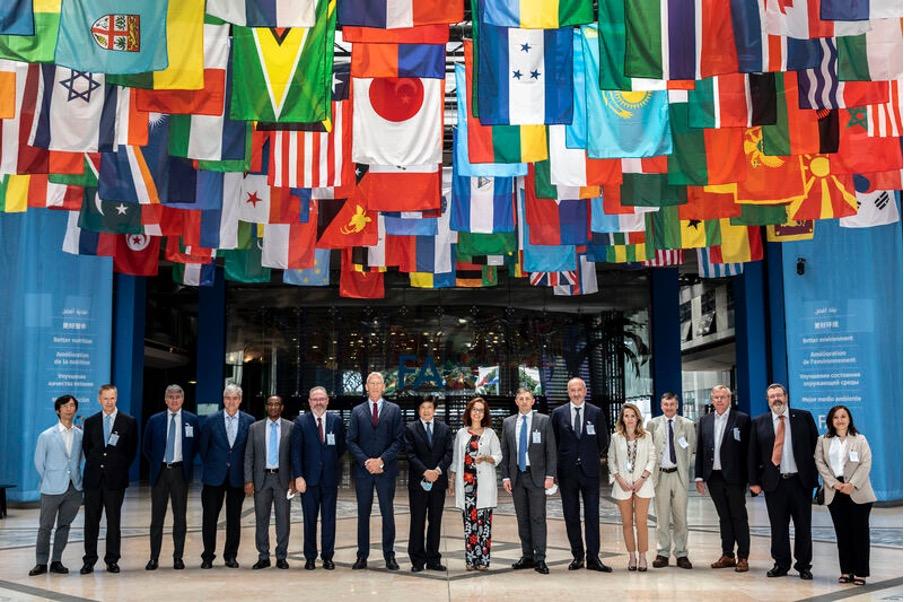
211 347
778 350
665 335
129 308
750 338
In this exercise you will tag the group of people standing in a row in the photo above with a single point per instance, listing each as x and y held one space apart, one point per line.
273 459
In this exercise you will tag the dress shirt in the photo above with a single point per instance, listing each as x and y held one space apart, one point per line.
837 455
665 461
719 425
787 465
235 422
267 430
574 413
523 417
432 424
177 443
370 406
67 435
112 420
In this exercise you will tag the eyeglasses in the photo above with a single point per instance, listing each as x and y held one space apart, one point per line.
478 410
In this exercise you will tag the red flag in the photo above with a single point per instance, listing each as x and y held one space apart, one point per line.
421 34
702 205
399 189
359 285
136 254
307 159
353 226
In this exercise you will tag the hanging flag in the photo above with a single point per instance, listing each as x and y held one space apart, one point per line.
739 244
412 188
707 205
821 89
393 14
194 274
572 166
666 230
665 259
39 46
765 179
304 159
397 121
17 18
476 244
884 120
538 14
482 204
69 117
353 226
874 55
733 100
858 152
759 52
399 60
541 258
103 36
264 13
421 34
707 269
411 223
876 208
584 281
800 19
859 10
356 284
555 222
796 130
244 263
285 73
610 36
136 254
289 246
603 222
469 274
319 275
84 242
829 195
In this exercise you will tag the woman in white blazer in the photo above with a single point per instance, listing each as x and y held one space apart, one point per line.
843 459
475 455
632 460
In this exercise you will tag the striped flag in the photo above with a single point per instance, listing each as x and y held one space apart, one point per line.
800 19
884 120
194 274
538 14
585 282
706 268
482 204
821 89
394 14
301 159
666 258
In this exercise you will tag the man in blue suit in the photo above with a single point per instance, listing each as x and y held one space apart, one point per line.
222 449
58 459
169 446
374 439
318 443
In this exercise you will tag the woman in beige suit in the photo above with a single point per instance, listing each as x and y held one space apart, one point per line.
632 460
843 459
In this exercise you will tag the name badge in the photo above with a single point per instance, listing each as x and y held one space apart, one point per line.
330 439
189 430
737 433
535 437
854 455
589 428
114 439
682 442
629 467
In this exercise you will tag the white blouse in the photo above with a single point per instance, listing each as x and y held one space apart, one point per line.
838 455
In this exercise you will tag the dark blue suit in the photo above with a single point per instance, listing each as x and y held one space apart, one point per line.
319 463
224 476
169 483
382 441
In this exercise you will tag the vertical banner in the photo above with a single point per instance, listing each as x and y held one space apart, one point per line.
843 326
55 330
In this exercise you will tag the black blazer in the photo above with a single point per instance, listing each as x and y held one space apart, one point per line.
383 441
803 439
319 463
733 454
422 456
108 465
580 456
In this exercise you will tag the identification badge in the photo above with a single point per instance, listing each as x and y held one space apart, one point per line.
330 439
535 438
737 433
629 467
114 439
854 455
682 442
189 430
589 428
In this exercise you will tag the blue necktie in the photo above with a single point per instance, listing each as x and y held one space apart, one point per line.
108 427
170 441
522 445
273 447
230 432
430 434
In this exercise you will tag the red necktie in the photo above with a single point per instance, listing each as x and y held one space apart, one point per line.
320 428
779 444
375 417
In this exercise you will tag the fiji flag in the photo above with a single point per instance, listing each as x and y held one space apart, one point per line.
108 36
482 204
524 76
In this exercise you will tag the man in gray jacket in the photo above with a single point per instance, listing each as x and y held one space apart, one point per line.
528 469
268 472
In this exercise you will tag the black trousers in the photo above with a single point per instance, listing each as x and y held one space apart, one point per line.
852 531
211 504
730 503
426 507
364 491
319 500
109 503
791 501
574 488
170 486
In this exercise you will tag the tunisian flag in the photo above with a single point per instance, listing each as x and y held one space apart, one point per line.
136 254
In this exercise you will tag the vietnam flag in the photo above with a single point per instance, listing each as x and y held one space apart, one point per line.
356 284
136 254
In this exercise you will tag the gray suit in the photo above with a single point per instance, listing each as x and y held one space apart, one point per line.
269 489
672 483
527 487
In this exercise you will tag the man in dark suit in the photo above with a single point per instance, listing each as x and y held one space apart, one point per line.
110 441
268 476
223 438
528 470
375 439
318 444
428 443
169 446
722 441
781 463
582 436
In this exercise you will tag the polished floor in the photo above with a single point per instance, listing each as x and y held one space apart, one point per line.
17 536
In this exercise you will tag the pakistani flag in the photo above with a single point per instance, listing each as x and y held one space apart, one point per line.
109 216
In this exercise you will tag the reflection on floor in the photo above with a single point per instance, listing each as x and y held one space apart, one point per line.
17 537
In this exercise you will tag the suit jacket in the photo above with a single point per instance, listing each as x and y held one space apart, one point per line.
681 427
542 455
383 441
56 467
108 465
580 456
733 452
761 470
318 463
422 456
856 473
645 460
256 453
153 445
224 464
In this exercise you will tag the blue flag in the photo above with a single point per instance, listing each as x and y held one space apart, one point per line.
17 18
319 275
482 204
576 131
542 258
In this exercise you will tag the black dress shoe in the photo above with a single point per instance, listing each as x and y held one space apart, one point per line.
112 567
435 566
524 563
542 568
282 563
178 564
416 569
262 563
207 564
309 565
151 565
39 569
806 575
57 567
776 571
596 565
233 564
391 563
360 563
329 565
86 569
576 564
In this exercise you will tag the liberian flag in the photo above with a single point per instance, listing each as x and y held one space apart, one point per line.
482 204
393 14
300 159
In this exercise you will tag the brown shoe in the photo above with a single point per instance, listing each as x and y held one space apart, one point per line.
684 563
724 562
742 566
660 562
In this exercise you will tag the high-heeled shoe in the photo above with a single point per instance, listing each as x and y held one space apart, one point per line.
642 564
632 562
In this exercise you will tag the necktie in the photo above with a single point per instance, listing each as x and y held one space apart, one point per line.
672 458
375 416
170 440
578 425
230 431
320 429
273 447
429 426
522 446
108 427
779 441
